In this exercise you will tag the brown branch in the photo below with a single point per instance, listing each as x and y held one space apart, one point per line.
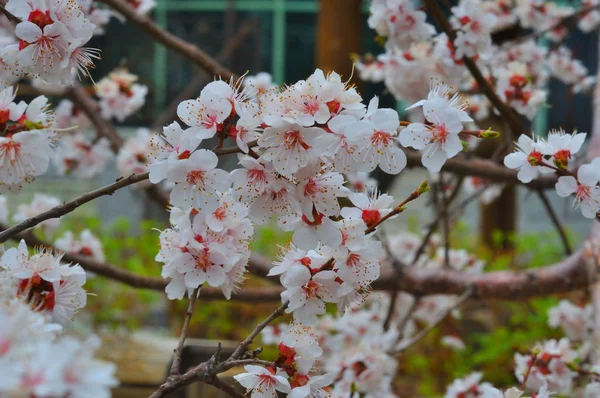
241 348
11 17
423 332
506 111
564 21
194 87
175 366
90 107
169 40
68 207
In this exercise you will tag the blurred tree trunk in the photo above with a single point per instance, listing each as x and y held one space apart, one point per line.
338 35
500 215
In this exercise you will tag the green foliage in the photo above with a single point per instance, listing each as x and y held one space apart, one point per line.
129 247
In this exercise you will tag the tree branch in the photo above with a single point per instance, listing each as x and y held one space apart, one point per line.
68 207
175 366
169 40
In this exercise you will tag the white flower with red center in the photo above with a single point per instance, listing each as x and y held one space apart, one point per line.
40 204
528 159
9 110
467 387
45 284
361 182
173 145
51 35
360 266
439 91
315 387
248 127
88 245
514 86
23 156
310 230
206 114
306 101
120 95
229 215
438 140
585 189
260 84
590 20
133 157
198 181
262 382
320 190
251 180
549 367
204 258
76 155
368 208
342 99
299 345
294 256
474 27
400 22
277 199
376 138
308 293
68 115
290 146
563 146
339 143
576 321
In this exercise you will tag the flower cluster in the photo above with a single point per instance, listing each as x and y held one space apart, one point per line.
415 53
120 96
535 156
88 245
36 359
77 153
26 133
51 37
133 155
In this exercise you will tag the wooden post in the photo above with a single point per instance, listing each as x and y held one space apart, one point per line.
339 35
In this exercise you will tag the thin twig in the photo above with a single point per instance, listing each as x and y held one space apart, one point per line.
239 351
423 332
391 310
557 224
68 207
9 15
175 366
169 40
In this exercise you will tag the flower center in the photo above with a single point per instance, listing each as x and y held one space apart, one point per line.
40 18
535 158
370 216
39 292
353 260
310 189
11 149
202 259
292 139
184 155
381 138
311 289
440 134
561 158
195 177
220 213
311 106
86 251
583 192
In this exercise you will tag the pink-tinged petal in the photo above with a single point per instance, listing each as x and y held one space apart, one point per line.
527 173
566 186
194 278
305 238
215 276
515 160
247 380
452 146
28 31
588 175
204 159
394 161
297 275
189 112
434 160
415 135
338 123
355 132
385 120
589 208
175 289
